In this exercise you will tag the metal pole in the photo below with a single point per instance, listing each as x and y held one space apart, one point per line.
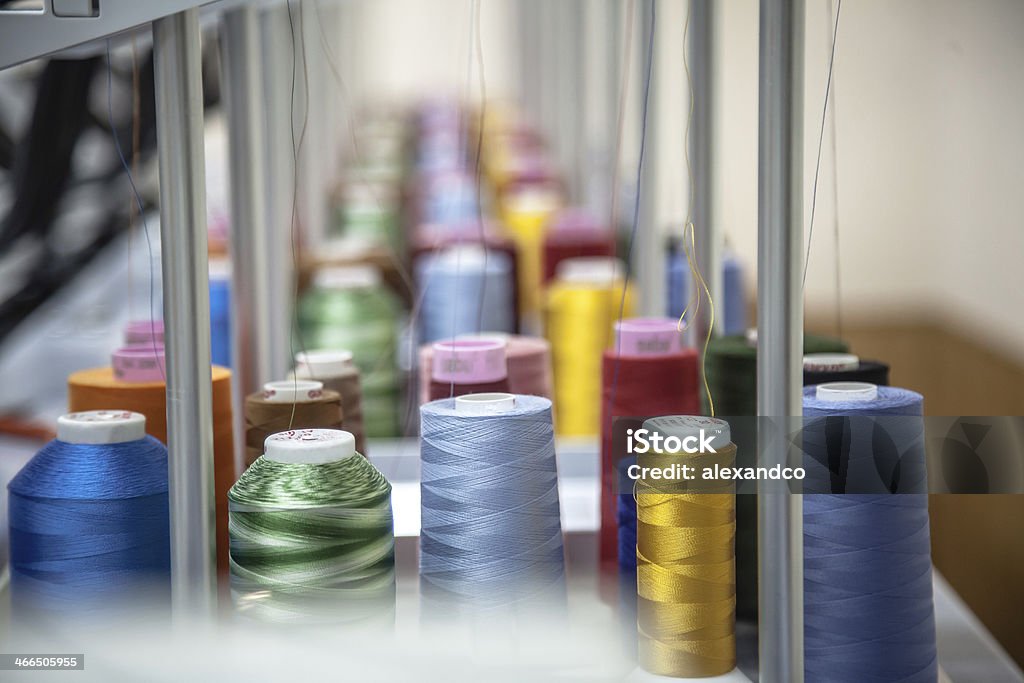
780 334
649 252
708 238
278 42
179 118
250 316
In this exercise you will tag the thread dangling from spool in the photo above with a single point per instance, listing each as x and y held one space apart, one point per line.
312 534
288 405
582 306
528 360
649 373
89 525
135 381
730 366
821 368
732 306
491 533
686 587
868 608
337 372
453 282
349 308
468 366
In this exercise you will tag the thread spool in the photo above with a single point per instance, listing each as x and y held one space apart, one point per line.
730 367
868 610
649 373
335 369
288 405
528 360
686 589
468 366
821 368
574 233
465 290
102 389
583 303
144 332
89 525
491 533
312 533
526 213
348 308
220 312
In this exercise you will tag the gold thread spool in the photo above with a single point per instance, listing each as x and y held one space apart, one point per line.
267 414
526 218
582 306
99 389
686 570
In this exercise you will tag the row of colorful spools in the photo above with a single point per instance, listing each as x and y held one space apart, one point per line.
311 535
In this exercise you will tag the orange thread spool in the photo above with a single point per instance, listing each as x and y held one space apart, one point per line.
100 389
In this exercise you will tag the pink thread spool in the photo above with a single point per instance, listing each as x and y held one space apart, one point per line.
468 366
144 332
140 363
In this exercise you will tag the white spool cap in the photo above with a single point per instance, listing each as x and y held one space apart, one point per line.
831 362
309 446
347 277
464 256
485 404
101 427
220 269
837 392
293 391
590 270
751 336
323 363
716 431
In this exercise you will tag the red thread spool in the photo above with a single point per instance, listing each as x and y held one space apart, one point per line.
574 233
468 366
648 374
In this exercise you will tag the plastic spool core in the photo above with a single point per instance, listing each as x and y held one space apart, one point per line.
469 361
293 391
485 404
139 363
716 431
838 392
647 337
101 427
309 446
323 363
590 270
347 277
831 362
463 256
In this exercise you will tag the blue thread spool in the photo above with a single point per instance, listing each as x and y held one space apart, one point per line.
868 610
491 533
88 514
220 313
453 281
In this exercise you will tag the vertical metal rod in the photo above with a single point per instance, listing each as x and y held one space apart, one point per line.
706 233
278 191
649 250
251 324
780 333
179 119
571 93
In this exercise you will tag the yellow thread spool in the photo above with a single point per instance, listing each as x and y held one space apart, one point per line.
526 216
686 570
580 311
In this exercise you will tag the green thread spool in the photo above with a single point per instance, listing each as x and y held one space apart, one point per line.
311 533
731 370
349 308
